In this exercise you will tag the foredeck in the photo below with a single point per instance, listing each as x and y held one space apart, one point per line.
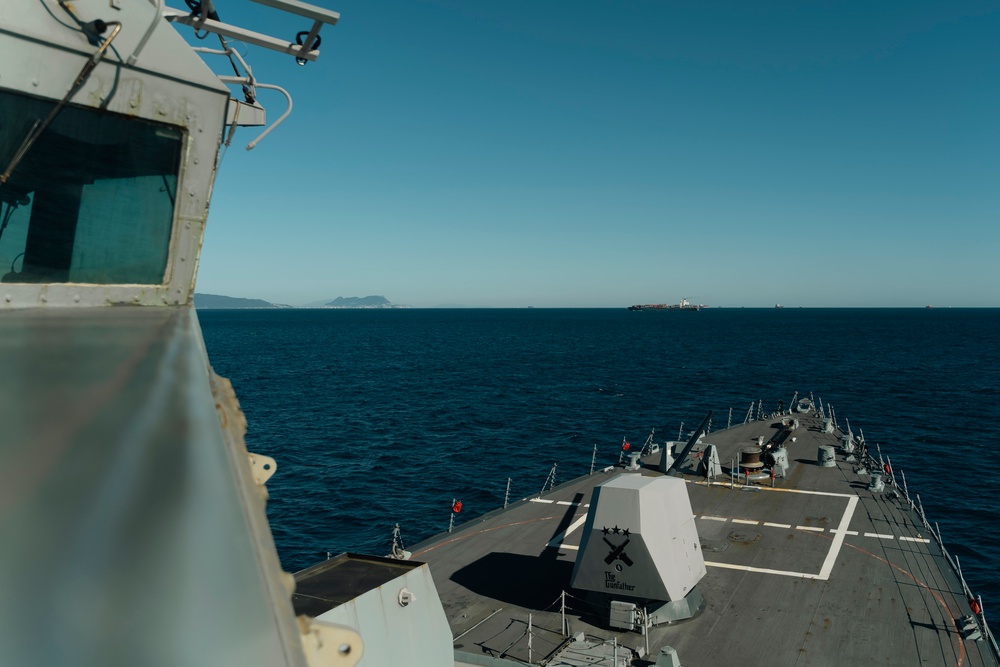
816 570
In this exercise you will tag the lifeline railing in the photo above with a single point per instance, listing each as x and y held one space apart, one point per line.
975 601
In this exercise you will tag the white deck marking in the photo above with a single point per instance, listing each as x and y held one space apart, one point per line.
714 518
779 490
838 539
846 532
557 502
880 536
747 522
831 556
570 547
915 539
557 540
764 570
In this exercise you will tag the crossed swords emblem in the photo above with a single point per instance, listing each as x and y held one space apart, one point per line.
617 550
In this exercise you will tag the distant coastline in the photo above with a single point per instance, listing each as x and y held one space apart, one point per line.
218 301
213 301
374 301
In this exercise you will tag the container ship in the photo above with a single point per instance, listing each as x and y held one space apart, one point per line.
683 305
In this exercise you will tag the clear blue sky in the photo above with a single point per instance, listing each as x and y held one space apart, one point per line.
587 154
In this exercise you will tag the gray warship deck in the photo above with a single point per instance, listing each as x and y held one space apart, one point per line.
816 570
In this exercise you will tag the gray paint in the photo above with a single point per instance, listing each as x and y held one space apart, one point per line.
826 456
667 455
780 456
640 540
133 531
769 600
710 466
416 635
170 84
134 528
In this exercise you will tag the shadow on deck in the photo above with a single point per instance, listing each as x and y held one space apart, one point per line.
531 582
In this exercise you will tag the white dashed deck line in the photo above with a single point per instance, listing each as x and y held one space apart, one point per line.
777 489
541 500
831 556
814 529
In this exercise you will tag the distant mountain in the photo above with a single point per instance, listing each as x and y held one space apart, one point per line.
315 304
373 301
208 301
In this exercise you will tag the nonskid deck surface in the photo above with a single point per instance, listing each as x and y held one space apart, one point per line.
814 571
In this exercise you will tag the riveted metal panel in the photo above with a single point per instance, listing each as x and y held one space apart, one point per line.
40 56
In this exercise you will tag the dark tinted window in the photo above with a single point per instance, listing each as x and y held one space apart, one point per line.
92 201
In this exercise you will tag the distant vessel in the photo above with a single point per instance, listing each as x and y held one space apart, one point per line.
683 305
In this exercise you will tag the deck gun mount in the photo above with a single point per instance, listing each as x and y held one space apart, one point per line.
640 551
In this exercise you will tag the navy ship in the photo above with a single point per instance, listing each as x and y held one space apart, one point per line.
133 514
782 540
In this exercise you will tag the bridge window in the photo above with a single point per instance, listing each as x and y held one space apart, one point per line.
92 200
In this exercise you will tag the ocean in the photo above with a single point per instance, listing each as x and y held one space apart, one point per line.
379 417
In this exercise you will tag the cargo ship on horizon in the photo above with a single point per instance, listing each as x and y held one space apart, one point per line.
683 305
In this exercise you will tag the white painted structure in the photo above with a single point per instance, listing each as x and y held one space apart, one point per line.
640 540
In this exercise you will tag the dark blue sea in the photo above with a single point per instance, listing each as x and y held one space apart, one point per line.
384 416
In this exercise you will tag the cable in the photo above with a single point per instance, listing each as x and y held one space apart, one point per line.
6 218
166 187
57 19
92 30
312 47
195 7
40 125
248 93
196 11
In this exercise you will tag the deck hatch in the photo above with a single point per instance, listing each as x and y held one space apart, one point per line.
343 578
